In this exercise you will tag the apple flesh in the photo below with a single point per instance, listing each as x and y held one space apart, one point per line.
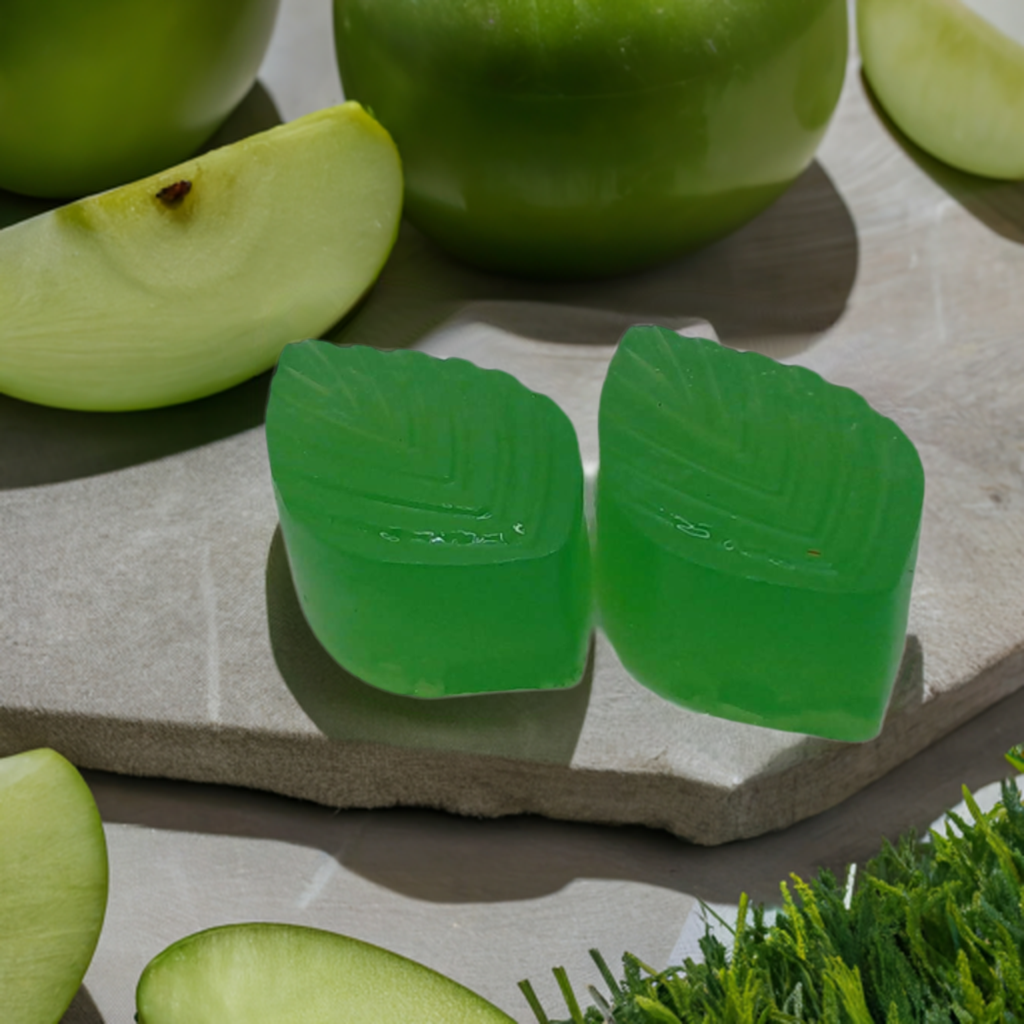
558 139
193 280
93 95
53 885
285 974
950 73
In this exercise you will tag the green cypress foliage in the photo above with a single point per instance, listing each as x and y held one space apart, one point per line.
932 933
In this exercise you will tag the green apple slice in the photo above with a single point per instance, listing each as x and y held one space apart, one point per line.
188 282
263 973
53 885
950 73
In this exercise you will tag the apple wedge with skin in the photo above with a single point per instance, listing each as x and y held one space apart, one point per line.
950 73
53 885
261 973
190 281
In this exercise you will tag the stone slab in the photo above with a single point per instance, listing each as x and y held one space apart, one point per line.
148 623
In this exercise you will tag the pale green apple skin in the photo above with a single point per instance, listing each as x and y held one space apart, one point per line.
568 139
266 973
949 80
95 94
53 885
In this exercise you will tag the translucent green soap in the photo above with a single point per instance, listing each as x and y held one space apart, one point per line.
756 536
433 516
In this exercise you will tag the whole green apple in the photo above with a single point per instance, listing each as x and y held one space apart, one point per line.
582 137
96 94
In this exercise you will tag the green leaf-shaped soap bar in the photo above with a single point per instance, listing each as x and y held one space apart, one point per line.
756 536
433 517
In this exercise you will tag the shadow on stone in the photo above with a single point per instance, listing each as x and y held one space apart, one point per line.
999 205
534 726
82 1010
908 689
40 445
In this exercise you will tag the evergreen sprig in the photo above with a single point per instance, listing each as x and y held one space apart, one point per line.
932 933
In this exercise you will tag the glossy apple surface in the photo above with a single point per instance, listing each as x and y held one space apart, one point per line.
192 280
95 94
53 885
950 73
558 138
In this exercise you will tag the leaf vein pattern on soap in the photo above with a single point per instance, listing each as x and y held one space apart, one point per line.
398 434
405 456
740 468
746 465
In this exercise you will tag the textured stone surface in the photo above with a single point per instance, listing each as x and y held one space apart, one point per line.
148 624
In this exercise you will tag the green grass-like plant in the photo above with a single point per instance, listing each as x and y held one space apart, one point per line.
932 932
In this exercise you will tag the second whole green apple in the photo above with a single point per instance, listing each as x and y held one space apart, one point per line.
567 139
93 95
